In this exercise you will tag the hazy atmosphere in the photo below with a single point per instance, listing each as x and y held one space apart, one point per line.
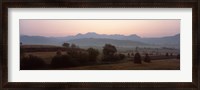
99 44
61 28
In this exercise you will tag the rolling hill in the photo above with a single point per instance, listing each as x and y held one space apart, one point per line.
94 39
103 41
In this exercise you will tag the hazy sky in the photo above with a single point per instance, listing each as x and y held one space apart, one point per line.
60 28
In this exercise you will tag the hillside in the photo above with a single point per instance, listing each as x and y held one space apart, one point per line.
102 42
88 39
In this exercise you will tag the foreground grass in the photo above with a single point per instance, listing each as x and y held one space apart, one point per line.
167 64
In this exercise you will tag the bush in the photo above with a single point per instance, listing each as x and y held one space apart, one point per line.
31 63
147 58
122 56
74 46
137 58
64 61
128 54
115 57
167 54
171 54
74 57
110 58
82 58
132 54
178 56
109 49
93 53
108 53
59 61
66 45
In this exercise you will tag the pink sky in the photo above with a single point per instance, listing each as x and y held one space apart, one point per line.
60 28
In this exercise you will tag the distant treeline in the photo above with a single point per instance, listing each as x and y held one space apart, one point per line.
43 49
46 49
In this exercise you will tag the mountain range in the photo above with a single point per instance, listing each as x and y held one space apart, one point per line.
94 39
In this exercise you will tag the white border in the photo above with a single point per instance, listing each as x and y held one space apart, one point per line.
183 75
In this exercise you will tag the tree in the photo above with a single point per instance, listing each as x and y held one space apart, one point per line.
171 54
22 52
60 61
66 45
122 56
136 49
32 63
128 55
73 46
93 53
132 54
109 50
167 54
109 53
137 58
147 58
178 56
59 53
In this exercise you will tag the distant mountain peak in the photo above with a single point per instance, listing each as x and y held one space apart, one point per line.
79 34
173 40
91 33
134 35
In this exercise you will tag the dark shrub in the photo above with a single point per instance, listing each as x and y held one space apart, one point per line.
115 57
128 54
167 54
107 58
147 58
109 49
178 56
122 56
64 61
137 58
72 52
171 54
66 45
59 61
69 61
132 54
73 46
108 52
110 58
59 53
82 58
32 62
93 53
22 52
79 56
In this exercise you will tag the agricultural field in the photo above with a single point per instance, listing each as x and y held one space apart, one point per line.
166 64
158 61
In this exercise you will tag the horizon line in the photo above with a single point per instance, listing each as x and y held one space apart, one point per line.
98 34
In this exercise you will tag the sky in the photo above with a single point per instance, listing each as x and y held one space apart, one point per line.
61 28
